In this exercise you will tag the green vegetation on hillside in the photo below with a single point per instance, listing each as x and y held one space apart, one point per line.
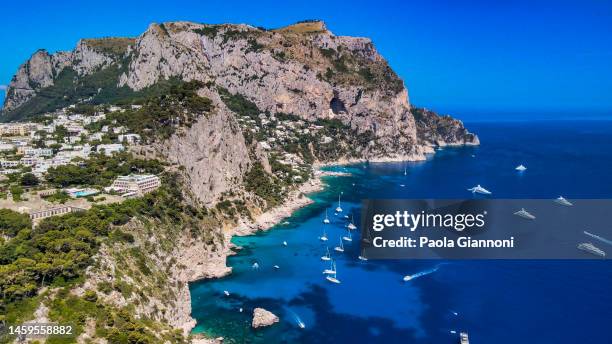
114 46
58 250
97 88
264 185
100 170
161 115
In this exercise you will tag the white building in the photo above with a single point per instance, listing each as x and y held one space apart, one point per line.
138 184
109 149
38 152
6 147
129 138
9 163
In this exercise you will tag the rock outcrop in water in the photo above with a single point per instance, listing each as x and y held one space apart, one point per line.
263 318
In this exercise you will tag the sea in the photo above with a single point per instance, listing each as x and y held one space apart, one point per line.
494 301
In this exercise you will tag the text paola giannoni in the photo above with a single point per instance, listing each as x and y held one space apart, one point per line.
422 220
412 221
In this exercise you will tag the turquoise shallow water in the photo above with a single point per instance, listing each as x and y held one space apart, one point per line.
496 301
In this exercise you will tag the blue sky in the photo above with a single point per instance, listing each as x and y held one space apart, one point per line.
454 56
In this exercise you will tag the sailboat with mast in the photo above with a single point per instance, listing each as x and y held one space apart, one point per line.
348 237
334 276
331 270
341 247
324 236
339 208
327 256
326 219
351 224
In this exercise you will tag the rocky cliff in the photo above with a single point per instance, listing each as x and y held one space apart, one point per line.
304 70
301 72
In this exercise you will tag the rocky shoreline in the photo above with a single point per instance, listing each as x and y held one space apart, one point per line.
216 265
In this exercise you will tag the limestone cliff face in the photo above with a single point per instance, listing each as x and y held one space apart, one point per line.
302 70
37 73
312 74
42 69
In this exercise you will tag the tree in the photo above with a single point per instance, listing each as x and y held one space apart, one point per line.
29 179
12 222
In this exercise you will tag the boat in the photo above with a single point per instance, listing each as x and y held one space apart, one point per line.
341 247
351 225
346 217
408 278
339 208
226 293
326 219
348 237
284 243
331 269
240 309
592 249
520 168
324 236
524 214
333 277
404 170
276 267
362 256
301 324
562 201
479 189
464 338
439 148
255 266
327 256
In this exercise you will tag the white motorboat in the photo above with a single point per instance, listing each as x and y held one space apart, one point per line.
479 189
520 168
592 249
562 201
524 214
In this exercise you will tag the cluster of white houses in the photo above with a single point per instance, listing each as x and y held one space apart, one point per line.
18 149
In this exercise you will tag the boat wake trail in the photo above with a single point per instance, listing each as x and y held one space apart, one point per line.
422 273
594 236
297 319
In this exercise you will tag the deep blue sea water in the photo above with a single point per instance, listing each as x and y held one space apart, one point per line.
495 301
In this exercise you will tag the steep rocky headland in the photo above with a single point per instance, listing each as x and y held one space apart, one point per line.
271 105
